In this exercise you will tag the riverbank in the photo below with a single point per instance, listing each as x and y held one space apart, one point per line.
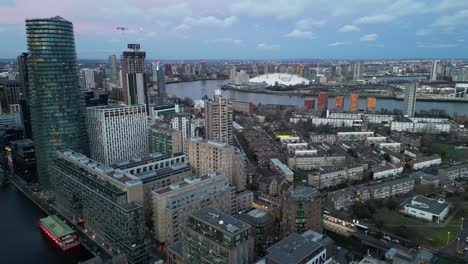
22 241
308 93
88 243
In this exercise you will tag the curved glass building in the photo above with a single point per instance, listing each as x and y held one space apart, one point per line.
57 105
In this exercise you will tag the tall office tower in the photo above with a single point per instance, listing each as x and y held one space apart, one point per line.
354 102
165 140
162 96
110 202
88 77
22 61
172 204
339 102
218 119
134 80
371 104
203 72
205 156
212 236
409 104
112 68
57 104
322 101
24 101
301 209
117 132
433 76
168 71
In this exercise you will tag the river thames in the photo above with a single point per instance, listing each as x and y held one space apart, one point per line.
196 90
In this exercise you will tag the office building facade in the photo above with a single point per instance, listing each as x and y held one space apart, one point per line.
117 132
56 102
218 119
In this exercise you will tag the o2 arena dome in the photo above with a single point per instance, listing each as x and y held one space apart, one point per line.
280 78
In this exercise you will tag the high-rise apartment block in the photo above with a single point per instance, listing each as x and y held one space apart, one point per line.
339 102
206 155
173 203
433 75
354 102
117 132
108 201
301 209
409 103
134 79
218 119
211 236
322 101
185 123
89 78
112 68
57 105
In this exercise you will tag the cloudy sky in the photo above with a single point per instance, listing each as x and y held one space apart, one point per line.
248 29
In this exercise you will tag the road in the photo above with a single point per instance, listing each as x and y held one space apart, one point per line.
457 246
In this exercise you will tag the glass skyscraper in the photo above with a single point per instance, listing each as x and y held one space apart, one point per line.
57 105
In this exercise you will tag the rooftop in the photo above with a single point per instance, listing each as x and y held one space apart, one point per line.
293 249
280 78
56 226
111 174
220 220
256 217
429 205
302 194
186 182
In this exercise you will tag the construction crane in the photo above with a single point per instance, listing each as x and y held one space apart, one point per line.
122 30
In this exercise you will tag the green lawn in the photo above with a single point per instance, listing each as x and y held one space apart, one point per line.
446 151
413 229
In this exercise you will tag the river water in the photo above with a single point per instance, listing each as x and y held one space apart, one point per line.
21 241
196 90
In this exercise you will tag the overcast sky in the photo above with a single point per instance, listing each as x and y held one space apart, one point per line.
247 29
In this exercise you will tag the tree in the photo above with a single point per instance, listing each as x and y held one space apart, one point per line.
386 156
360 211
391 204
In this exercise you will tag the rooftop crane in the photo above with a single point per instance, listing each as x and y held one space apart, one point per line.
122 30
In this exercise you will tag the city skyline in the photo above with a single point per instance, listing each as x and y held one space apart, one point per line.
243 29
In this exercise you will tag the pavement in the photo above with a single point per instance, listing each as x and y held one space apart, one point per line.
457 246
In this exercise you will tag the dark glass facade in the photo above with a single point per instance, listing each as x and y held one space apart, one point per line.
56 103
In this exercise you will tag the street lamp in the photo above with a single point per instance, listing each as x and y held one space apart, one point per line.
458 242
448 237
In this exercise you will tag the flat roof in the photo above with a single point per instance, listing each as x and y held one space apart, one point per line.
221 220
56 226
293 249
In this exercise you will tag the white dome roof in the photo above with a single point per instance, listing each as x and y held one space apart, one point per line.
280 78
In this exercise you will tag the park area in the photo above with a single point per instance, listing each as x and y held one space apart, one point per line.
429 234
